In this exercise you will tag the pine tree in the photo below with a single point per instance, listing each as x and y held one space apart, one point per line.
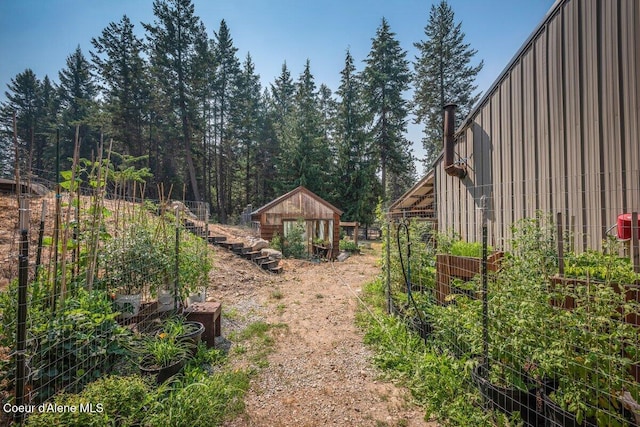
23 100
124 84
172 45
77 92
386 78
45 159
305 156
443 74
226 81
356 182
246 126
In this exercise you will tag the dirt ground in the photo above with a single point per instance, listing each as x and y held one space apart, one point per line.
320 372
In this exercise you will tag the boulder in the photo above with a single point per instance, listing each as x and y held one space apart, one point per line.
259 245
272 253
343 256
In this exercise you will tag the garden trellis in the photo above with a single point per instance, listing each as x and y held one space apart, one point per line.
65 320
549 328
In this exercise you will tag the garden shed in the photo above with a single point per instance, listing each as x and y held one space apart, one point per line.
321 220
557 132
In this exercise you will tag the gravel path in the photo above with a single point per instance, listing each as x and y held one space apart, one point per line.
320 372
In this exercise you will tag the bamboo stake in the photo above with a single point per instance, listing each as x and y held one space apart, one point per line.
65 233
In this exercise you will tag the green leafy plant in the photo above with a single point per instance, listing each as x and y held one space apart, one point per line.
194 264
135 262
439 382
349 246
162 351
203 399
276 242
81 343
606 266
589 354
294 245
109 401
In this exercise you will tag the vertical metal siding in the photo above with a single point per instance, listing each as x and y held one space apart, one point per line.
530 168
610 111
630 63
496 190
560 131
590 103
542 120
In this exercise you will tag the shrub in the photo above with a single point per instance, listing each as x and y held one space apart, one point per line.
203 400
79 345
294 244
349 246
121 399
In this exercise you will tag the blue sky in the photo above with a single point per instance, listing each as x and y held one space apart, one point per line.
40 34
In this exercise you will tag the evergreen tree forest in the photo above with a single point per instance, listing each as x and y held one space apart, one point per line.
174 97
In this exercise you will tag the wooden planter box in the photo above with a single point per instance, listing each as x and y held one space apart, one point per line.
459 267
631 293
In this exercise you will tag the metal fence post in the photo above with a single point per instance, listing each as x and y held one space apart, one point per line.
387 289
23 279
485 286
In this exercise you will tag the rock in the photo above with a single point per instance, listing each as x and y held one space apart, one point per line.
274 254
259 244
343 256
180 207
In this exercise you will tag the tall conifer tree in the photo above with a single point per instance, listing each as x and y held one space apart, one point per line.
443 74
77 91
305 156
386 78
227 75
23 100
172 41
124 83
356 182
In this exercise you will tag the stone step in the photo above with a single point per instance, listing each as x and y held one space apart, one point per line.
268 265
217 239
259 260
251 255
241 250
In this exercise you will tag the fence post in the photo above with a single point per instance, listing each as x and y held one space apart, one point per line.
635 257
387 289
21 332
485 285
176 283
560 244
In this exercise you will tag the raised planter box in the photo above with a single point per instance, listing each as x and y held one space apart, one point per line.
459 267
631 293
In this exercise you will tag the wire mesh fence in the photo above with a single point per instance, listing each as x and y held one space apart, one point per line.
543 304
90 271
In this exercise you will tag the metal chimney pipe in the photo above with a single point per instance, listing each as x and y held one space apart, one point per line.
449 142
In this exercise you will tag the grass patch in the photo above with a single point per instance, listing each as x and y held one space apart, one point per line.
256 342
232 313
439 383
277 294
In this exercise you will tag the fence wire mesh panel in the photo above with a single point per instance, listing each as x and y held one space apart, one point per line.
104 270
539 295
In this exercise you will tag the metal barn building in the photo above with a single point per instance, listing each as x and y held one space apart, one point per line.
558 131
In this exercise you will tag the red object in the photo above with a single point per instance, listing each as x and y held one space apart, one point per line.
624 226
